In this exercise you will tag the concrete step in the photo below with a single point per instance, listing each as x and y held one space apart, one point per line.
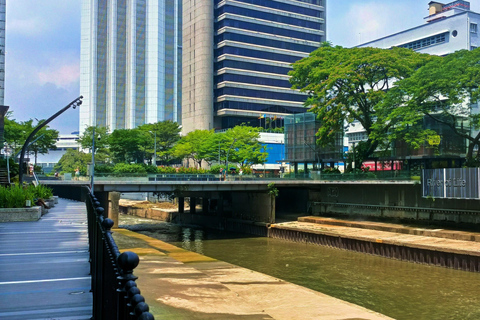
396 228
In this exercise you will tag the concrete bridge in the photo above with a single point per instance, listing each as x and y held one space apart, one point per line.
251 201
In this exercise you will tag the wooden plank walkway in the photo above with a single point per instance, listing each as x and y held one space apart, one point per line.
44 268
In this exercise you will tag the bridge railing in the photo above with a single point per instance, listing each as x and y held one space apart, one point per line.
115 293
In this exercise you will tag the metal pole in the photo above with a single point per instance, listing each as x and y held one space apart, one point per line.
93 158
74 103
155 154
228 152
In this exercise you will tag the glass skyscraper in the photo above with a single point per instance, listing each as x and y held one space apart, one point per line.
130 62
236 57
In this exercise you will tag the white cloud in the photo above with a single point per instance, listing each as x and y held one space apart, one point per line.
26 27
62 76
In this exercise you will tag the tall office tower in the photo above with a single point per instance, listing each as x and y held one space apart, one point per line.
236 56
130 62
2 50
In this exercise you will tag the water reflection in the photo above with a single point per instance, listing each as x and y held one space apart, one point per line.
401 290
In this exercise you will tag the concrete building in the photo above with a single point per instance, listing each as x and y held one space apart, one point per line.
448 28
2 50
236 56
130 69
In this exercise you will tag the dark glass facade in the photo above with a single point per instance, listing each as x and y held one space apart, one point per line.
256 41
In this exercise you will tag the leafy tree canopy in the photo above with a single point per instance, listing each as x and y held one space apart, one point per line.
166 134
101 139
443 90
353 84
129 145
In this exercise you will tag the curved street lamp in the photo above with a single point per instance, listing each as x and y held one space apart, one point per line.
75 103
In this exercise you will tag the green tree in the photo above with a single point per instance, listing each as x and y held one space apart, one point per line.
73 159
129 145
196 145
101 139
444 90
166 134
14 132
352 84
42 141
246 150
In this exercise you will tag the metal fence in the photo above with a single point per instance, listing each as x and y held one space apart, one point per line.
115 293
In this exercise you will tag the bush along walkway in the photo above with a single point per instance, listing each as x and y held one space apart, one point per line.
45 269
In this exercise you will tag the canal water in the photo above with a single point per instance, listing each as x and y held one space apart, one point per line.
402 290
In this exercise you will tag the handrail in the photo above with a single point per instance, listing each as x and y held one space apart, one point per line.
115 293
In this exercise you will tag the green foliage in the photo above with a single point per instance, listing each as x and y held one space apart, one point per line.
104 168
129 145
196 145
215 169
40 191
191 170
442 90
17 132
166 134
101 139
166 170
272 190
347 85
71 160
129 168
15 196
14 167
331 171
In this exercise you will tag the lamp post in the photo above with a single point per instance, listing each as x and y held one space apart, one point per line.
228 152
93 159
155 148
353 164
74 104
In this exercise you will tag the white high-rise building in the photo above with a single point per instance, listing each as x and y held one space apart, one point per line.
2 50
130 69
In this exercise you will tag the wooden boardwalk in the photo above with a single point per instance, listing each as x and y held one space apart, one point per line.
44 268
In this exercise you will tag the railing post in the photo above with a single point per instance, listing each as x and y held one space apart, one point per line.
136 308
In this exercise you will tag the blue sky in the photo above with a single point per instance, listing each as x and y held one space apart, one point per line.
43 47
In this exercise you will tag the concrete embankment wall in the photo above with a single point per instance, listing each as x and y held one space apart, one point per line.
378 201
413 253
198 219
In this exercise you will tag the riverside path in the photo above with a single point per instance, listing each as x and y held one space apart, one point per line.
44 268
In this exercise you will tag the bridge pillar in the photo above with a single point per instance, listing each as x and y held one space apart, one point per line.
193 204
205 205
254 206
114 207
181 205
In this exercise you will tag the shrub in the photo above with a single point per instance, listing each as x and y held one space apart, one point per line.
150 168
129 168
166 170
191 170
247 170
40 191
216 168
15 196
104 168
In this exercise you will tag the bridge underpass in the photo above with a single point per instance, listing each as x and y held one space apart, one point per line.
249 202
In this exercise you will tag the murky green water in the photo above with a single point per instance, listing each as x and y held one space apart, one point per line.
401 290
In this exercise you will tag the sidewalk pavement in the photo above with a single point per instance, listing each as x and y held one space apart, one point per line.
179 284
44 268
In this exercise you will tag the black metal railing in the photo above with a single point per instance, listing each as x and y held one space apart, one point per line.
115 293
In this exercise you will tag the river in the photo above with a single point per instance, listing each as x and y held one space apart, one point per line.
402 290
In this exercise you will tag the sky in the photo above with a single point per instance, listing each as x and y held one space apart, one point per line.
42 62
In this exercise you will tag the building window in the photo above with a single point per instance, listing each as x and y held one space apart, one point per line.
426 42
472 48
473 28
